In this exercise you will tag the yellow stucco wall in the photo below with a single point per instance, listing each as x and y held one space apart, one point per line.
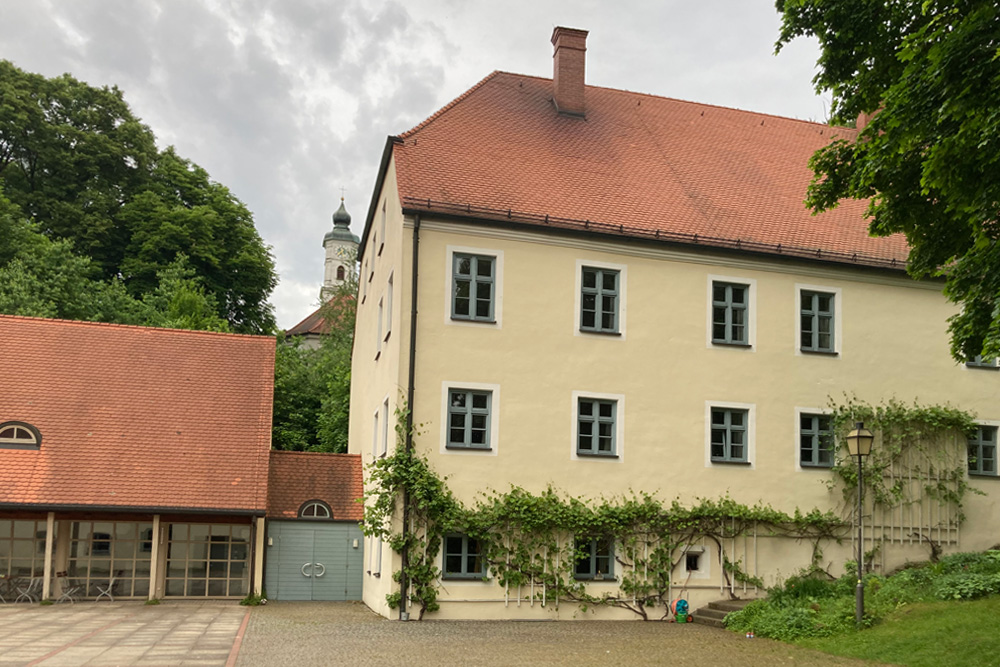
664 372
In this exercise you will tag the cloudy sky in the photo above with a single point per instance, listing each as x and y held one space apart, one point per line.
289 102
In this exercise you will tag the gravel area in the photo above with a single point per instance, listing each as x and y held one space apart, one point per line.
334 633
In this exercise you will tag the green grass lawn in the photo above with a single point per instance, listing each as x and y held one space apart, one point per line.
926 634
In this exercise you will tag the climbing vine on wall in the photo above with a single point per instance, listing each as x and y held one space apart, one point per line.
919 452
532 542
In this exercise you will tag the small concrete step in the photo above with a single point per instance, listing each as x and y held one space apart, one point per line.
715 613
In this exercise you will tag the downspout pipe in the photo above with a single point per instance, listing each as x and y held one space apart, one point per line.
404 583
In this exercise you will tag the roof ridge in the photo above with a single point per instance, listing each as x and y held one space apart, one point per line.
142 327
447 107
495 73
300 453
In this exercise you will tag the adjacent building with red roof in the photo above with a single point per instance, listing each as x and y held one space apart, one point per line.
137 461
608 292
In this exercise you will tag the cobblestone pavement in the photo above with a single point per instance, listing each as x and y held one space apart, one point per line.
119 633
344 633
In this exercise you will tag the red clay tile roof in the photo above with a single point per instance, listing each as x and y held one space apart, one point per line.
638 165
300 476
136 417
314 323
317 322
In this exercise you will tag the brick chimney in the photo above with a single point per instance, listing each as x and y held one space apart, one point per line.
569 60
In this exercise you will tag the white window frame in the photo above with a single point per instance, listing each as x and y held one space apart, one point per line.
375 432
384 449
751 283
494 441
388 308
995 423
797 435
619 399
378 335
364 282
838 314
751 444
449 271
377 570
622 270
382 228
704 560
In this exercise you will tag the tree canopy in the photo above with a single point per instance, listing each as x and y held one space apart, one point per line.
312 387
88 174
929 160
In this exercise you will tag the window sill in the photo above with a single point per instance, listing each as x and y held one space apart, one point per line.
378 354
592 455
467 448
983 367
722 343
816 466
593 580
599 332
730 463
983 474
475 320
377 574
820 353
481 578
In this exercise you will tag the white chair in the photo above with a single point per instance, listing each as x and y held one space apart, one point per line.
106 591
31 592
69 591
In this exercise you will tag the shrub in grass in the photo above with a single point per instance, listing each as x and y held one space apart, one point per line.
810 606
966 586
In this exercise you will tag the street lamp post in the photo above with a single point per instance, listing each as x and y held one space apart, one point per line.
859 444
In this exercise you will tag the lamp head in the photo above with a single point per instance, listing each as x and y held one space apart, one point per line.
859 441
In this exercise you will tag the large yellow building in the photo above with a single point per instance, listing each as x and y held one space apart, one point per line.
604 291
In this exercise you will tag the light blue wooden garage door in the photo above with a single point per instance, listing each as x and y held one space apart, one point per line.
309 560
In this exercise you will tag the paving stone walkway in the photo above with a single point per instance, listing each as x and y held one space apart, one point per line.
343 633
119 633
302 634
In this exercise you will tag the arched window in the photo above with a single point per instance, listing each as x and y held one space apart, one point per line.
340 273
315 509
18 435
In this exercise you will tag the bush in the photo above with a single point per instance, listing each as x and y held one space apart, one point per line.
807 606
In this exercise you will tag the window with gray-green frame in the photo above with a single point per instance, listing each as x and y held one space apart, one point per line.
729 435
469 419
816 317
596 427
730 308
983 362
473 287
463 558
595 559
599 300
983 451
815 441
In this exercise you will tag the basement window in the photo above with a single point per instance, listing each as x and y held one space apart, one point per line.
19 435
692 562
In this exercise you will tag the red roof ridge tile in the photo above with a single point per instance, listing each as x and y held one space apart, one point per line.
637 93
447 107
345 455
141 327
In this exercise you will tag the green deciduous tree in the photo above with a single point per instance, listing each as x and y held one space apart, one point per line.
44 277
929 161
76 161
312 387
